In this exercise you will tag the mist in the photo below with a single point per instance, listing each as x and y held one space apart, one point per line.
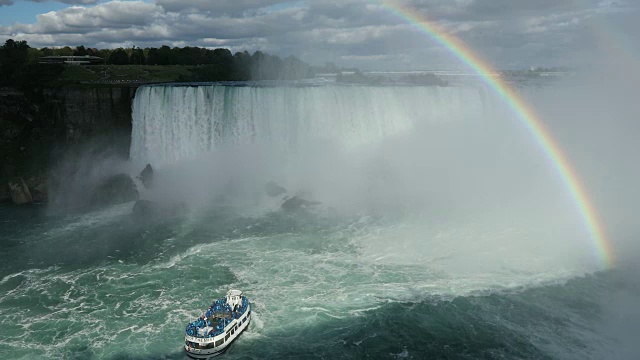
472 190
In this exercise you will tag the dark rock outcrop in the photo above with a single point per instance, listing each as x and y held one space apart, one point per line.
146 176
273 189
296 203
19 192
147 209
117 189
39 189
4 193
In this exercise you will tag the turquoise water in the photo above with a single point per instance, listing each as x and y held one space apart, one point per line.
103 286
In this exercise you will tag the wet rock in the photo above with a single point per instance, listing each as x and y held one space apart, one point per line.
273 189
146 176
5 195
39 189
117 189
296 203
40 192
147 209
19 192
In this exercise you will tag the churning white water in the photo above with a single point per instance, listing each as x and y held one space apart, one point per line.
428 155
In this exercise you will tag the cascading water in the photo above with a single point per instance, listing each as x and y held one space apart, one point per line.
173 123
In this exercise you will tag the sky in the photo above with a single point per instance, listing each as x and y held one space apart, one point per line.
510 34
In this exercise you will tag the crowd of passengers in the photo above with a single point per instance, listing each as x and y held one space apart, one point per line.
205 320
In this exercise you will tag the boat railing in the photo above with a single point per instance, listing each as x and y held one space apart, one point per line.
218 307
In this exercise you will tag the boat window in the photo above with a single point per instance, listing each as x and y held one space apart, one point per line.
227 337
208 346
192 344
219 342
233 331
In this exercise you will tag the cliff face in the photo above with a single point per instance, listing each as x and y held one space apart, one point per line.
37 129
87 113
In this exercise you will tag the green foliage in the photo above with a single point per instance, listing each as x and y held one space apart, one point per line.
153 56
174 64
14 56
80 51
165 56
119 57
65 51
358 78
137 57
79 73
110 74
46 51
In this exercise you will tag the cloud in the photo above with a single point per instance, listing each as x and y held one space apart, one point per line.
72 2
220 7
509 33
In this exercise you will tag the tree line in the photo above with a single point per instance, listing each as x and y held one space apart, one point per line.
18 59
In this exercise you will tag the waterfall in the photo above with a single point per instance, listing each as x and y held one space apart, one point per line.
173 123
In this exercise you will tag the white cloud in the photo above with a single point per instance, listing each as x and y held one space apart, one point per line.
352 31
79 2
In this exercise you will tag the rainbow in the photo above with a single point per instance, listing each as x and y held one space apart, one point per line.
528 117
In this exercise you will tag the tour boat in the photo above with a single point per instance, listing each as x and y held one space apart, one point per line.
215 330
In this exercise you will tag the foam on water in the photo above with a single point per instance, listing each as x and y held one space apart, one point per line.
295 279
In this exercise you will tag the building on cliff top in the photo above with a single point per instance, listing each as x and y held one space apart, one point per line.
72 60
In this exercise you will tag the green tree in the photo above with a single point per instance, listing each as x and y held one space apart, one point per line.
153 56
14 55
137 56
242 66
119 57
34 55
46 51
105 54
165 56
80 51
65 51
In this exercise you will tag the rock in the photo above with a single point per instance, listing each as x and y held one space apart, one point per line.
39 189
297 203
146 176
5 195
147 209
117 189
40 192
272 189
19 192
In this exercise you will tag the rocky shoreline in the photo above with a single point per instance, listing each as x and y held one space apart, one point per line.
21 192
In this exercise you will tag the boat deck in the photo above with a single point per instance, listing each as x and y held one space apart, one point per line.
216 319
